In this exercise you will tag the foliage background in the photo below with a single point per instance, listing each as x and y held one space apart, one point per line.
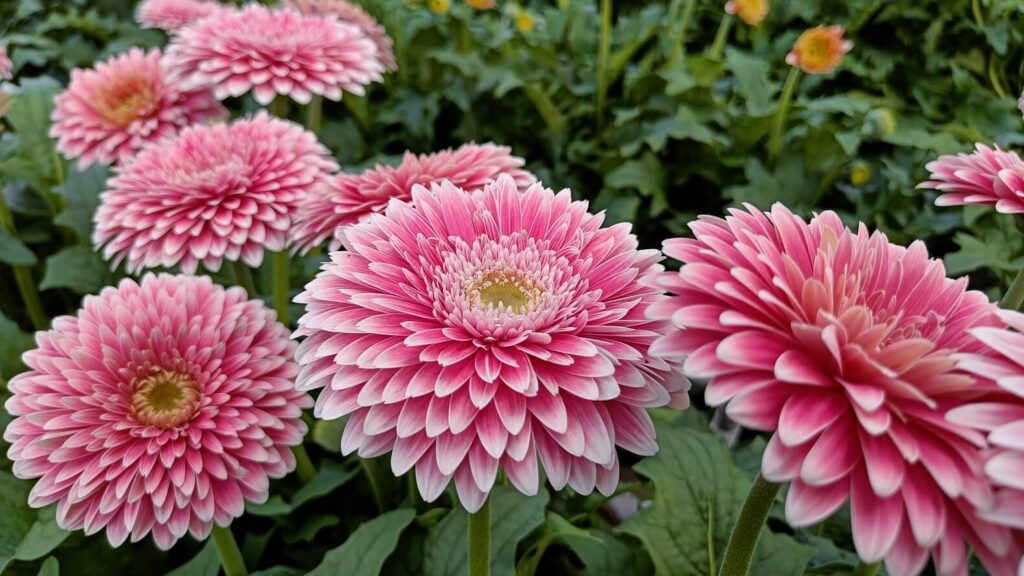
671 131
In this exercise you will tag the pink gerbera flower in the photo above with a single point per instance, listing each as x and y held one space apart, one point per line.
989 176
109 113
6 66
171 15
468 332
842 343
353 14
213 193
1000 415
273 52
354 197
160 407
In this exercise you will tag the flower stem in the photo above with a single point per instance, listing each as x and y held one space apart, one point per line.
282 271
480 541
603 57
1014 296
678 49
227 548
779 122
243 278
743 541
721 37
865 569
303 464
315 114
370 469
23 276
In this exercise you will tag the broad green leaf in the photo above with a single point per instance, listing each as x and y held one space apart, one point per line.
42 538
646 175
308 527
50 567
752 81
17 519
77 268
13 251
205 563
81 196
788 184
274 506
366 550
15 343
278 571
330 476
513 516
30 118
605 555
698 495
327 433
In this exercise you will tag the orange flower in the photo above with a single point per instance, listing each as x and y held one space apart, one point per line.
819 50
750 11
481 4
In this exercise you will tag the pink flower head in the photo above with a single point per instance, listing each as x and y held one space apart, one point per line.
354 197
213 193
470 331
988 176
842 343
274 51
160 407
107 114
353 14
6 66
171 15
1000 415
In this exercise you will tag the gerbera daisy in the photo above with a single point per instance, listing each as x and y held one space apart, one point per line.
109 113
275 51
171 15
819 50
842 344
161 407
214 193
752 12
989 176
354 197
468 332
353 14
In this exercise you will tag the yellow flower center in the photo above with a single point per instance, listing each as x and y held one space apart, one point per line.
165 399
510 292
126 101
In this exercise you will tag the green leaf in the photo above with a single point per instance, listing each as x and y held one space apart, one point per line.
309 527
15 343
513 516
13 251
274 506
646 175
366 550
17 519
42 538
698 495
50 567
330 476
788 184
77 268
327 433
605 555
752 81
81 195
30 118
205 563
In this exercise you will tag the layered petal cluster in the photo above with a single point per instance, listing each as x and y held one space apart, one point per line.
354 197
6 66
110 112
172 15
1000 416
988 176
843 344
353 14
752 12
275 51
819 50
161 407
214 193
468 332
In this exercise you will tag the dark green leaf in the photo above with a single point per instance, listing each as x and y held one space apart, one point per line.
50 567
330 476
205 563
17 519
77 268
13 251
81 195
42 538
366 550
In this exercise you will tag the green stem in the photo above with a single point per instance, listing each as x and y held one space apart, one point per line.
679 34
779 122
282 273
315 114
23 276
721 37
865 569
740 550
603 57
1014 296
227 548
480 541
303 464
243 278
370 469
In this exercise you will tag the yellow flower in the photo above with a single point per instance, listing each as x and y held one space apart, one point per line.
750 11
860 173
439 6
819 50
481 4
524 21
